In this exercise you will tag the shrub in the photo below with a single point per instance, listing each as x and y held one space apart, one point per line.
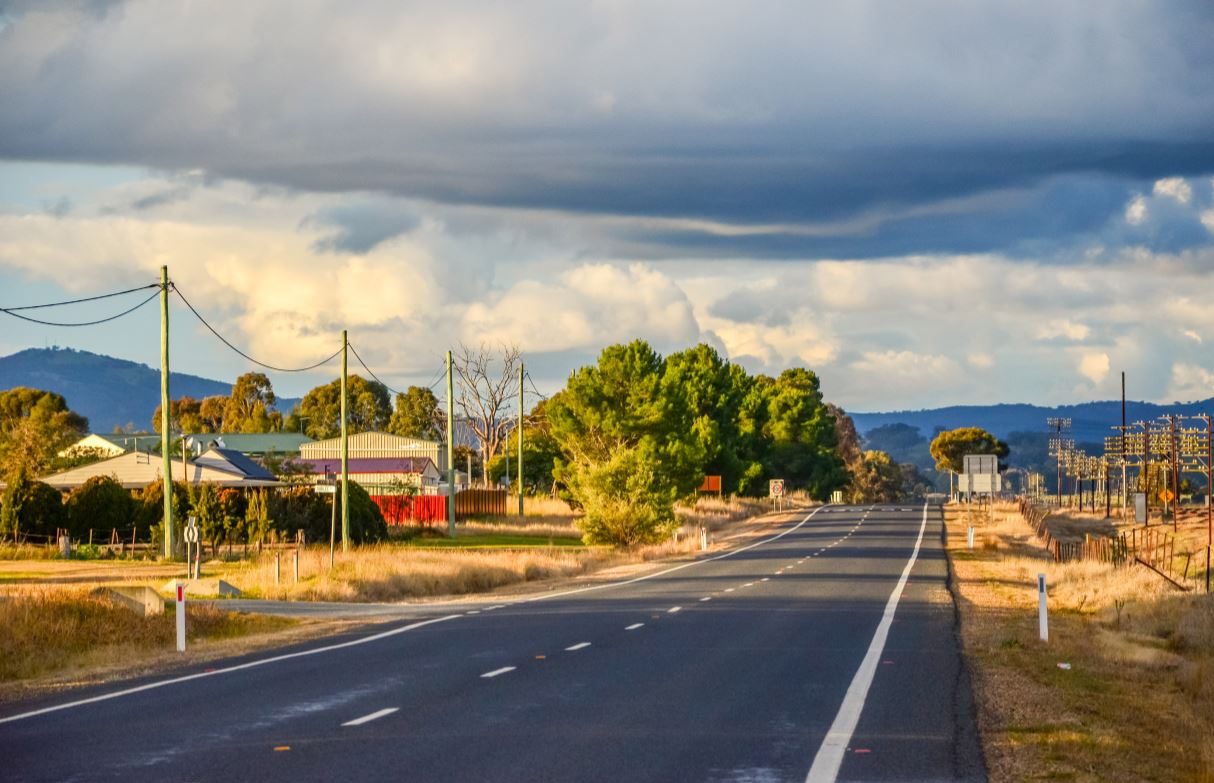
100 503
31 507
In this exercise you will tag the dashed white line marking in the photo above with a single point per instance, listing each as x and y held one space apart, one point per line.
491 608
473 611
578 646
765 579
633 627
373 716
496 672
673 609
749 584
706 598
729 589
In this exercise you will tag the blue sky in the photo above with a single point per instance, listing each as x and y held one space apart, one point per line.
927 203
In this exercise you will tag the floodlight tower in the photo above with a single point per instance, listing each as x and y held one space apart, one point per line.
1060 443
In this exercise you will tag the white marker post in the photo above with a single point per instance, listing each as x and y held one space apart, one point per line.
180 616
1043 614
969 537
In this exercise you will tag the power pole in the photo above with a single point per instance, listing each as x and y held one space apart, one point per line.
520 439
166 468
1125 486
345 449
451 451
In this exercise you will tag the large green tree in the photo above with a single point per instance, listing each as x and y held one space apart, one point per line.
950 447
35 425
715 390
628 443
370 408
790 432
250 406
416 415
30 506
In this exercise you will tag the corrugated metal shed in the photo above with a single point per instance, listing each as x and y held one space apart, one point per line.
376 444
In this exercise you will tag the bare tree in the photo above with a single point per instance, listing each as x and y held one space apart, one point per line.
487 385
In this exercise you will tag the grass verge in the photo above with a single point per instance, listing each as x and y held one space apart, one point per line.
48 631
1137 702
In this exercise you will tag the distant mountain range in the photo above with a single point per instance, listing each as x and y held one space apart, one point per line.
1091 422
110 392
115 392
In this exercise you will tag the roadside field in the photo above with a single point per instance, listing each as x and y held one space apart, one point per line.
1123 689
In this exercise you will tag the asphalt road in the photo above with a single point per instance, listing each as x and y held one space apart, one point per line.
823 653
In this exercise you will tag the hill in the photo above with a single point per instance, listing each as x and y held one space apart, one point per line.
110 392
1092 422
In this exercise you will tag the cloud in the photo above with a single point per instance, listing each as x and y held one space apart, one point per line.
1136 211
1063 329
723 127
1189 382
1174 187
980 361
1094 366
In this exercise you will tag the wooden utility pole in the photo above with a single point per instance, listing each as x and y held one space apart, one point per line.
451 450
520 439
345 448
166 468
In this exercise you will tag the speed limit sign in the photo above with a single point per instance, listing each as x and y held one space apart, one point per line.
775 488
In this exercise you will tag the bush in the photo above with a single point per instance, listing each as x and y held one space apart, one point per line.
30 506
302 509
100 503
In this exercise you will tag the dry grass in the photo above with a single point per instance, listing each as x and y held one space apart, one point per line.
391 573
45 631
547 527
1138 702
714 513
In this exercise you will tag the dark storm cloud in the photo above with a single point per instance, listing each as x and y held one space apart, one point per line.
855 124
361 226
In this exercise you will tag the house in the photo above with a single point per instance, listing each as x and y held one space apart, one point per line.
136 469
380 475
98 445
258 445
377 445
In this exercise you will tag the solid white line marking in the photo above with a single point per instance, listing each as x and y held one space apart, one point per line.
578 646
634 626
371 717
826 764
673 609
496 672
473 611
229 669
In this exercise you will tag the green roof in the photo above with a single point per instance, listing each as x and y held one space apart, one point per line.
250 443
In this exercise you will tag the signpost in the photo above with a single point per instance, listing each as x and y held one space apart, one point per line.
775 488
192 566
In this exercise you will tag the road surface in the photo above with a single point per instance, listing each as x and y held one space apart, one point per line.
826 651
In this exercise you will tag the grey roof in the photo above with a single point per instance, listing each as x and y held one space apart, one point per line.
230 459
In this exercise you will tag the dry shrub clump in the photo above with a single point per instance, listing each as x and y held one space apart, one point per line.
713 513
1137 702
49 630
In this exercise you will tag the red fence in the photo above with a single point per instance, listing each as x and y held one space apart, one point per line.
405 510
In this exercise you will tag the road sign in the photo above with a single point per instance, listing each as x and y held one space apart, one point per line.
191 532
775 488
836 496
1167 496
325 489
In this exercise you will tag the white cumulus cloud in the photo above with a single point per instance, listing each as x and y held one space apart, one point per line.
1094 366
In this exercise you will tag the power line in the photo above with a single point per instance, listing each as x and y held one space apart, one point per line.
128 311
373 375
11 310
259 363
538 393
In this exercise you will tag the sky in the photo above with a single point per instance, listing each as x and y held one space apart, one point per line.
929 203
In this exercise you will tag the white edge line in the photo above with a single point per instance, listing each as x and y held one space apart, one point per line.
373 716
386 634
496 672
229 669
829 758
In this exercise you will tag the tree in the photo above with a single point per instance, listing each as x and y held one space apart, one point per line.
207 509
417 415
950 447
100 503
799 431
30 507
845 435
486 385
35 426
715 391
629 449
149 507
875 479
250 407
370 408
540 454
